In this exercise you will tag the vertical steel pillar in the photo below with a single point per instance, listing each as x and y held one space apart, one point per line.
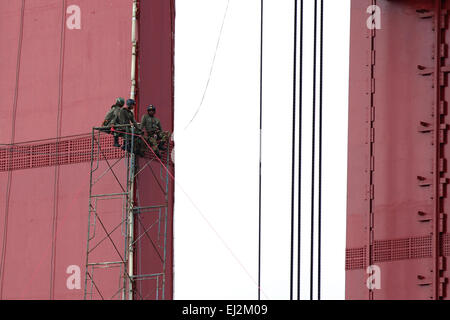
131 182
439 180
371 163
400 70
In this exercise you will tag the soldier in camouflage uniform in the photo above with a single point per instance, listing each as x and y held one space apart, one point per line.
126 117
111 118
156 137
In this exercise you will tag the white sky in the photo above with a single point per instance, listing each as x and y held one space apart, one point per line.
217 156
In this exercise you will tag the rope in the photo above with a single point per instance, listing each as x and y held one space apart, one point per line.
197 209
212 67
293 150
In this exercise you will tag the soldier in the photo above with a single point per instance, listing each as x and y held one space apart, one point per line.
111 118
126 117
152 126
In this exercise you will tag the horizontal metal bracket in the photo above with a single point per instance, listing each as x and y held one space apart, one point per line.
424 217
424 127
424 281
423 181
425 14
424 71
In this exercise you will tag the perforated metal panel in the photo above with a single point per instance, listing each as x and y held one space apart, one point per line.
392 250
355 259
64 152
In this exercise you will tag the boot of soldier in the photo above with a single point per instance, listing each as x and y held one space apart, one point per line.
161 146
126 146
116 142
140 153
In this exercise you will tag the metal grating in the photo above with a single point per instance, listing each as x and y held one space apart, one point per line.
393 250
3 155
355 258
62 152
390 250
80 150
19 158
421 247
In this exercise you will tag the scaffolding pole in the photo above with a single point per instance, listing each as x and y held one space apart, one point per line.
131 180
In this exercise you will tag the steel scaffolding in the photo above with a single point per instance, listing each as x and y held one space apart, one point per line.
115 205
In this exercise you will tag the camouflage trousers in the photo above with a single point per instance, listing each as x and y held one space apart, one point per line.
130 139
114 134
157 140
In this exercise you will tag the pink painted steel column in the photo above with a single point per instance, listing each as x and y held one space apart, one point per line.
358 204
397 150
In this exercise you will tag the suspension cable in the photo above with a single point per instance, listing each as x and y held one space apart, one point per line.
320 156
299 219
260 145
313 151
293 150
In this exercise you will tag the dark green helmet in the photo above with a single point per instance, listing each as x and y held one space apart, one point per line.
151 107
120 101
131 102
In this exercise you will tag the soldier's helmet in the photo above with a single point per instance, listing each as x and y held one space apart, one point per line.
131 102
120 101
151 108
